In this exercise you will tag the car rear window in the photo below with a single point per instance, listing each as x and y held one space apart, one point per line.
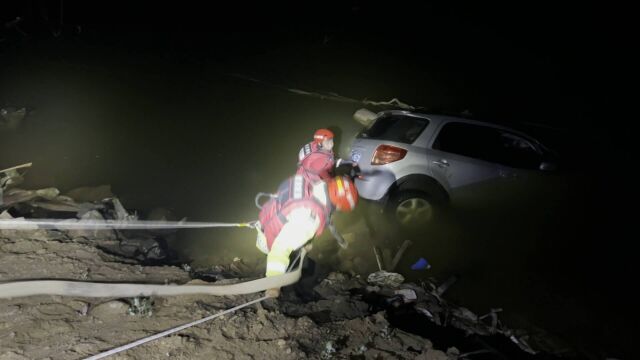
400 128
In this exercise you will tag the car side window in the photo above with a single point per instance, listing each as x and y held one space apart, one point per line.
478 142
518 152
488 144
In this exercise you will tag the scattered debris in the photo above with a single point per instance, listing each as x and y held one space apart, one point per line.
396 259
14 170
421 264
141 306
48 203
331 95
348 316
385 278
376 252
343 322
329 351
493 316
446 285
90 193
408 295
119 212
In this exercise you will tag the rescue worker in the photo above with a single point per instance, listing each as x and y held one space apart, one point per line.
296 214
316 159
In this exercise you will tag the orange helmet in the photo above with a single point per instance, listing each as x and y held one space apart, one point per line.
322 134
343 193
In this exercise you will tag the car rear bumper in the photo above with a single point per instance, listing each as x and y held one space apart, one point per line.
375 184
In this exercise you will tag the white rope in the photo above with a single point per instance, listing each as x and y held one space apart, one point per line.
300 256
73 224
171 331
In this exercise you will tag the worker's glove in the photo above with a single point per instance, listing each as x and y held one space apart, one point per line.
355 171
349 168
272 293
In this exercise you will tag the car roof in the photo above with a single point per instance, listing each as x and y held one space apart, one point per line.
448 118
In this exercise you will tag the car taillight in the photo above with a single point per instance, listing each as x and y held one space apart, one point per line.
386 154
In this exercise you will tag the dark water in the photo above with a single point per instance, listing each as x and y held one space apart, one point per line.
158 117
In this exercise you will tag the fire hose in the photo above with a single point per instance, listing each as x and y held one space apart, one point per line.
97 289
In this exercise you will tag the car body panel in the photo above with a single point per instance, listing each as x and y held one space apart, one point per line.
450 170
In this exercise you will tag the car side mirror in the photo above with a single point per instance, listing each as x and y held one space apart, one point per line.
548 166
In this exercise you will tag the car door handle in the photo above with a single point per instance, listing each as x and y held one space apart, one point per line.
441 163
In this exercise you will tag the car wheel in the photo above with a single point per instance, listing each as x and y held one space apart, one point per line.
411 208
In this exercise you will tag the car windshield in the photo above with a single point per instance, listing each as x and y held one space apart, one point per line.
400 128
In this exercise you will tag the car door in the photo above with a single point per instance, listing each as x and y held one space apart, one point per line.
516 154
460 155
519 163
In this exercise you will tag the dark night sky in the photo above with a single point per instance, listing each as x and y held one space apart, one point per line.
512 62
537 56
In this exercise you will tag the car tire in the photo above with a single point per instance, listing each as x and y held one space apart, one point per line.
409 209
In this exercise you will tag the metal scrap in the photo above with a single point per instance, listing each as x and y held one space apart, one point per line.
446 285
376 252
396 259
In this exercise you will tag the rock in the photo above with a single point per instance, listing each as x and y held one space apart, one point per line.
412 342
88 233
110 309
10 355
453 352
433 354
385 279
337 284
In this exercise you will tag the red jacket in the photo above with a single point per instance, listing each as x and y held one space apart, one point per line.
315 163
293 193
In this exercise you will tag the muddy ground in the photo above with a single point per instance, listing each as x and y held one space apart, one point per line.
56 327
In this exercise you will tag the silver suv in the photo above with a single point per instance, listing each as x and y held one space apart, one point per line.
414 162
